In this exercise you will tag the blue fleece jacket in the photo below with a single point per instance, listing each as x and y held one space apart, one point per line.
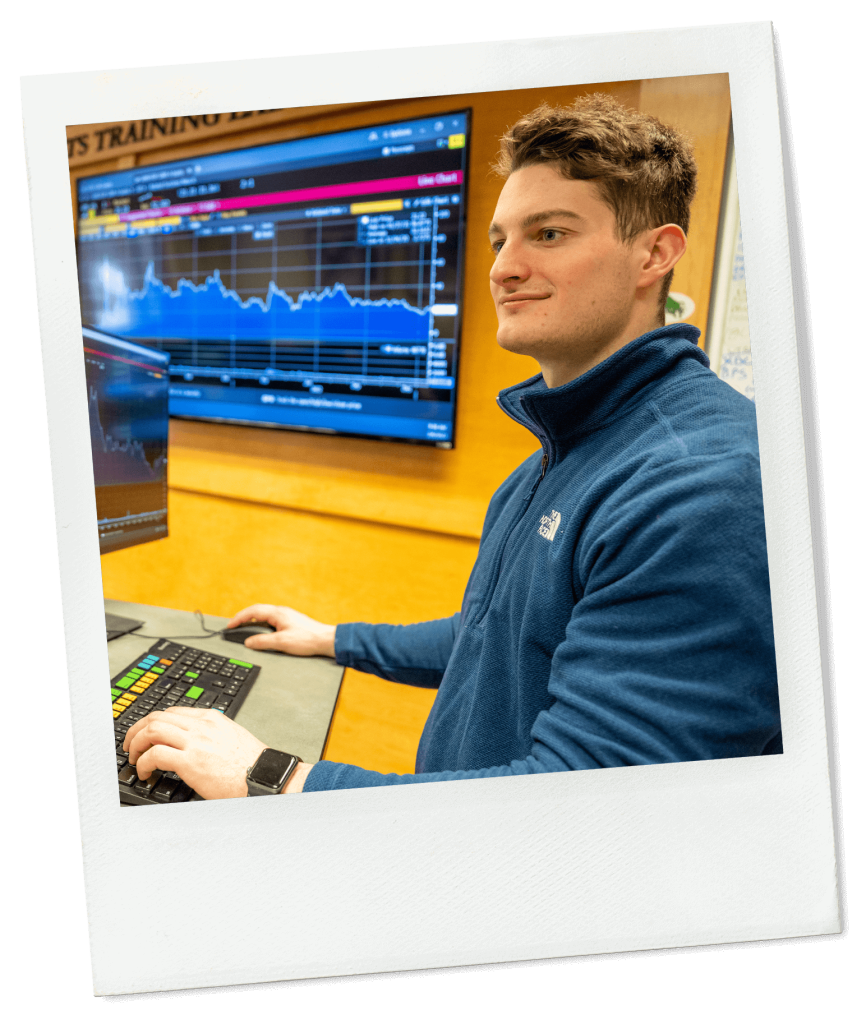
619 609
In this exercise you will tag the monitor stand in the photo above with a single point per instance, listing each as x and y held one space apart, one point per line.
117 625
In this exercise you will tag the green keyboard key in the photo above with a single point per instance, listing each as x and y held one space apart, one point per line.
125 683
115 693
194 692
192 675
243 664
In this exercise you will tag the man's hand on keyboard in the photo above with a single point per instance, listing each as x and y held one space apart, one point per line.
296 633
208 751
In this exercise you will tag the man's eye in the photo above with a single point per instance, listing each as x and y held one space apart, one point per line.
550 234
496 246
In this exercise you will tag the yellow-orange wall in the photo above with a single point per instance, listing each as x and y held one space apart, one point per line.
349 529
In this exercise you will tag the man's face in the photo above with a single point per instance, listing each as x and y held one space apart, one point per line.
563 283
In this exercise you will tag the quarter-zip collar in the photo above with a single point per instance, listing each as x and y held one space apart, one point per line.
557 416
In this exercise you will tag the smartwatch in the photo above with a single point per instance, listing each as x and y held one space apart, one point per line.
270 772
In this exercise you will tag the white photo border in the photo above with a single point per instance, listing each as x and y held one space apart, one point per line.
481 871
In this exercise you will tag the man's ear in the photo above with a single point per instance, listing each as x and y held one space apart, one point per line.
665 246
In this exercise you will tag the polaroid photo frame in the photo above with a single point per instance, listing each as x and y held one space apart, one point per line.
447 874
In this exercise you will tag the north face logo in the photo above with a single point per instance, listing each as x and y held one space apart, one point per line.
549 525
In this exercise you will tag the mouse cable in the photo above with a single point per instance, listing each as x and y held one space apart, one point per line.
198 636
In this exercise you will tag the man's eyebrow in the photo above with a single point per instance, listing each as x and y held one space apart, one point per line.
535 218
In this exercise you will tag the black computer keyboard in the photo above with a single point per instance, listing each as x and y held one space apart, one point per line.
168 675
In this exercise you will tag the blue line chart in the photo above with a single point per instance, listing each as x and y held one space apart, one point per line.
213 311
118 461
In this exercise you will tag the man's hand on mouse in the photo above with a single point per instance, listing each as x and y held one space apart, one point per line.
296 633
208 751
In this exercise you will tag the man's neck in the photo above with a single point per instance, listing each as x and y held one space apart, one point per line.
564 371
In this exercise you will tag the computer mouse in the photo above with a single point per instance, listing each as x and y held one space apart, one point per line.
238 634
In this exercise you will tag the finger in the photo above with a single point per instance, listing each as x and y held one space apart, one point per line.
268 641
136 728
163 757
143 723
254 611
160 730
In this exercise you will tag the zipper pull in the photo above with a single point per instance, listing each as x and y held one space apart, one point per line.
543 465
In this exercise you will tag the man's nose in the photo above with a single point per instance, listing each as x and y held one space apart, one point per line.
510 265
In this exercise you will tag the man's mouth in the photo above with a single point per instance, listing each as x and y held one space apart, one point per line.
518 298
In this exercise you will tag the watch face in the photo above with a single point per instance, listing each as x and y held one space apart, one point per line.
270 769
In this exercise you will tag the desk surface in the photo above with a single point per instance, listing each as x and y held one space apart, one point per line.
292 702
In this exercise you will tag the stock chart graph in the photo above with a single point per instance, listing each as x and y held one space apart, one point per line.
127 391
123 460
333 305
207 310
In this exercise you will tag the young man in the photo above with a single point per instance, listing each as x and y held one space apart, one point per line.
619 609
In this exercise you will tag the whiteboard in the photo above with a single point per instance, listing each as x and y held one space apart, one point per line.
729 347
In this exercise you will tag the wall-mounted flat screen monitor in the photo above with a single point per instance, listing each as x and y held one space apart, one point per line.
127 397
311 284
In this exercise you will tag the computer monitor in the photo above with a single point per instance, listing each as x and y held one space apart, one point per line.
127 394
312 284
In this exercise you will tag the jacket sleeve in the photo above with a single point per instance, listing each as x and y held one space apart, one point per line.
668 655
416 654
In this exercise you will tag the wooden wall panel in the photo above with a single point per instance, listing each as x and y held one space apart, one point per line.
699 105
223 554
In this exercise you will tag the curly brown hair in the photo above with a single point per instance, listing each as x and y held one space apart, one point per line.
644 170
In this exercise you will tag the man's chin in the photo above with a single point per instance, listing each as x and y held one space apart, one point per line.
516 341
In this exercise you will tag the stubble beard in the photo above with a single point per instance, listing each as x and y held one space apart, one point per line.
584 341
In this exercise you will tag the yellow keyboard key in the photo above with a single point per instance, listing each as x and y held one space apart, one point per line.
118 707
117 714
